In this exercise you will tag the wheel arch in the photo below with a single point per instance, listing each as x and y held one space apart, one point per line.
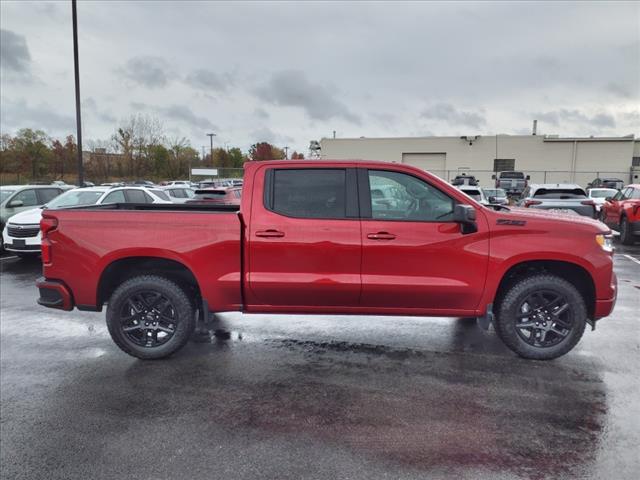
122 269
575 274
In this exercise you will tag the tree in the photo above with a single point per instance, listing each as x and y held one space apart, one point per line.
237 157
297 156
265 151
32 150
64 157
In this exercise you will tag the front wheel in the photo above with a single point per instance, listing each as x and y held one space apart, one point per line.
625 232
150 317
541 317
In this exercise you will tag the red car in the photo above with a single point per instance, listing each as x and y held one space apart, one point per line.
308 237
622 212
220 196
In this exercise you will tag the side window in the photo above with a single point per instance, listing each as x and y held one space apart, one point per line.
177 193
48 194
309 193
626 194
188 193
398 196
635 194
28 198
137 196
115 197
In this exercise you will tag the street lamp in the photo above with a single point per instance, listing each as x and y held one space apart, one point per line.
76 69
211 135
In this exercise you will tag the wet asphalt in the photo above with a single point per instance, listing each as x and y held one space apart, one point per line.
322 397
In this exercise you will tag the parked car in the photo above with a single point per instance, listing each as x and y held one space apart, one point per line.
599 195
512 182
22 232
558 197
622 212
496 196
178 183
474 192
615 183
179 193
223 196
464 179
307 238
18 198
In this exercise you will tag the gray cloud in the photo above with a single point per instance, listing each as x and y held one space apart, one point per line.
451 115
261 113
563 115
90 105
149 71
265 134
181 113
14 52
18 114
291 88
204 79
620 89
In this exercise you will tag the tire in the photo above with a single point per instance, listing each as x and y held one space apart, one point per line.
150 317
540 335
625 232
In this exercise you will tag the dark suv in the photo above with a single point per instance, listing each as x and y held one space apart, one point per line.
606 183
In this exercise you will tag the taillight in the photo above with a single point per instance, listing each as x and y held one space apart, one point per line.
528 203
47 224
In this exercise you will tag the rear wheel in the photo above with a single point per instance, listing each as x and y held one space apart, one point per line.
150 317
541 317
625 232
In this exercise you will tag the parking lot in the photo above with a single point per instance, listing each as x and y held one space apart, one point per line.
315 397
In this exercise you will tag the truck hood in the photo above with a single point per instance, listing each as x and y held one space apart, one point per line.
566 220
28 217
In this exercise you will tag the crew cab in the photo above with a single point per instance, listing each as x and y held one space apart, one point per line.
511 182
622 211
308 238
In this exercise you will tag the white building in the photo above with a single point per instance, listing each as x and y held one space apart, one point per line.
545 158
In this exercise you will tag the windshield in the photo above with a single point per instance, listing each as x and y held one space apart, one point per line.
494 192
75 198
4 194
519 175
560 193
602 193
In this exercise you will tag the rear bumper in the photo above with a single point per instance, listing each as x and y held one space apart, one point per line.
603 308
54 294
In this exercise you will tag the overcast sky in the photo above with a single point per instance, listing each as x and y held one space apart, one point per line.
292 72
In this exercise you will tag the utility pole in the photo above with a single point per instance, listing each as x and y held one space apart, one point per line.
286 153
76 65
203 155
211 135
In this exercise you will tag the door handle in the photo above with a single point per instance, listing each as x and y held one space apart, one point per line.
270 233
381 236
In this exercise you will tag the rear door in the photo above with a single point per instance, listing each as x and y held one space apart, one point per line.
413 254
304 238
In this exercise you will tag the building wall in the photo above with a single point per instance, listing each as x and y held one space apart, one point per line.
544 159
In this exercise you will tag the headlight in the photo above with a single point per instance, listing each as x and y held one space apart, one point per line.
606 242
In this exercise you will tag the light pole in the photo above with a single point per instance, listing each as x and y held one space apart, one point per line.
76 66
286 153
211 135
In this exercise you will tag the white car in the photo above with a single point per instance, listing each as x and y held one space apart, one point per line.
179 193
179 183
474 192
599 195
22 232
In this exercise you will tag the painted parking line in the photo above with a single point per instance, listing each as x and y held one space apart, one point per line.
8 258
633 259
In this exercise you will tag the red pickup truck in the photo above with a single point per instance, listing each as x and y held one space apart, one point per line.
309 237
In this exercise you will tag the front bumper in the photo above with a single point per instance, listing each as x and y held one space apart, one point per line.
54 294
603 308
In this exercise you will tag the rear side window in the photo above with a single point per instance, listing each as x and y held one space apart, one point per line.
138 196
176 193
162 195
560 193
309 193
48 194
635 194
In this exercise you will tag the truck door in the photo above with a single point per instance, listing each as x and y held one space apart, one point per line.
304 238
413 254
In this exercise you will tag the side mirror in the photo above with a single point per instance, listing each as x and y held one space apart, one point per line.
528 177
465 215
15 203
493 199
493 177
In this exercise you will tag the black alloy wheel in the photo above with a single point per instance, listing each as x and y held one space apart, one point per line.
544 318
148 319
